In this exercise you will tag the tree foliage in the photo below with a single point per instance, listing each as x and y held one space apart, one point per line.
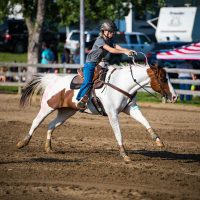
68 11
95 10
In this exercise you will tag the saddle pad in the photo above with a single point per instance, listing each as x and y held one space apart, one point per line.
76 82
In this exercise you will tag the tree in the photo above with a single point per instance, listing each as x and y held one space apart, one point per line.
34 14
34 26
68 10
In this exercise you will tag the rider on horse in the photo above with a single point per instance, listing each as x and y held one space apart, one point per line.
103 44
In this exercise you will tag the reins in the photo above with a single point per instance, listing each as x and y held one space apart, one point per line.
131 96
140 84
146 64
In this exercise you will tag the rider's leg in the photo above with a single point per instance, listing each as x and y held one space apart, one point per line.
134 111
45 110
88 72
62 115
114 121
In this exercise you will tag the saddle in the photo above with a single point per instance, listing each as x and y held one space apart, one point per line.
98 82
98 79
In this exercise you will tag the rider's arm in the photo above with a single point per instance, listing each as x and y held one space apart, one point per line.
121 48
115 50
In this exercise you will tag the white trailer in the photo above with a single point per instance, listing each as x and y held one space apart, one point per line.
178 24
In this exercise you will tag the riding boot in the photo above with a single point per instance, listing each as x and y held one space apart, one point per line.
81 104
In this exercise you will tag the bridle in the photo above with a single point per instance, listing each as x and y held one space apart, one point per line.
139 83
154 72
159 82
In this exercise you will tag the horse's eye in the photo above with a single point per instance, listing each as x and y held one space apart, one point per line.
164 80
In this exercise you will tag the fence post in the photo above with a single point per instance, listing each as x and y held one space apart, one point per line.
19 80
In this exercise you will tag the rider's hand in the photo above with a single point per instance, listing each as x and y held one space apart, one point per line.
132 53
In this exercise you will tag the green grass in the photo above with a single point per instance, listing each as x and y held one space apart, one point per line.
145 97
8 89
13 57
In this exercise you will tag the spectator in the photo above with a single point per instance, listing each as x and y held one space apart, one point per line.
2 78
195 87
47 56
76 56
65 56
183 75
55 52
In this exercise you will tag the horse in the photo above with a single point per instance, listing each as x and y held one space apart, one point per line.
117 95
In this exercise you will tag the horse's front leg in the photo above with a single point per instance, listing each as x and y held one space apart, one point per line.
114 121
134 111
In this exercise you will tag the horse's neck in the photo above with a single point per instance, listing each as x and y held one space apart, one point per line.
125 78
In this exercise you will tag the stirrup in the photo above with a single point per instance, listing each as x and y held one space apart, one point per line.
81 105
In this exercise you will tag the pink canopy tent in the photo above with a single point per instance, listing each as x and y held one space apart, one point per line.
191 52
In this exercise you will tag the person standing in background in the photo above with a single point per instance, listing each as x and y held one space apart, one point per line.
47 56
53 48
76 56
65 56
2 78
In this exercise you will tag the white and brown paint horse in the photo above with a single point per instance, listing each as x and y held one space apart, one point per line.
57 95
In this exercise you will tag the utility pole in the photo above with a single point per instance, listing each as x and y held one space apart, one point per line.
82 30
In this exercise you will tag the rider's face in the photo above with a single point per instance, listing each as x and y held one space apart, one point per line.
109 34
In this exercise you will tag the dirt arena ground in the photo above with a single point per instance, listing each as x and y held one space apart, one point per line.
86 163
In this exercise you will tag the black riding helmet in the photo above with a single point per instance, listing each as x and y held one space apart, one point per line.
108 25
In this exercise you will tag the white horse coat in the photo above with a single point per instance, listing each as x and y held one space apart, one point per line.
113 101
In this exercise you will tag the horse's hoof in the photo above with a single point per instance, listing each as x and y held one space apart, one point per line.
23 142
47 147
49 150
159 143
127 159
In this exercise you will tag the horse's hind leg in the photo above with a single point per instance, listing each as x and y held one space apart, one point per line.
134 111
62 116
45 110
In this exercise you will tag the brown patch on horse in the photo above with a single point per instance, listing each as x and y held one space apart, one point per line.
158 79
62 99
153 74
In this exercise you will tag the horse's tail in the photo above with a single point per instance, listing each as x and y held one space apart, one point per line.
31 88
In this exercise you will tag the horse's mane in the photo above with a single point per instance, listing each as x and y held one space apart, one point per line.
126 66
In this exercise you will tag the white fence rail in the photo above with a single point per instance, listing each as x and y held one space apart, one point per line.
185 81
65 67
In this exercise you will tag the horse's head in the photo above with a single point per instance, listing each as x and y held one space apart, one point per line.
161 84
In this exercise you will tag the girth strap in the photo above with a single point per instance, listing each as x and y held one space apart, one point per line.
120 90
117 88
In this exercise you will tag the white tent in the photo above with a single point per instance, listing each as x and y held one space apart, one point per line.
191 52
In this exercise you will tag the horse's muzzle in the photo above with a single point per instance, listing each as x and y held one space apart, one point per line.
170 98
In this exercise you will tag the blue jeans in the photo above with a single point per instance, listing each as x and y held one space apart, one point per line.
88 72
185 87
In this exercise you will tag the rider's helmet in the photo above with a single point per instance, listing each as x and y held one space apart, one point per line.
108 25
